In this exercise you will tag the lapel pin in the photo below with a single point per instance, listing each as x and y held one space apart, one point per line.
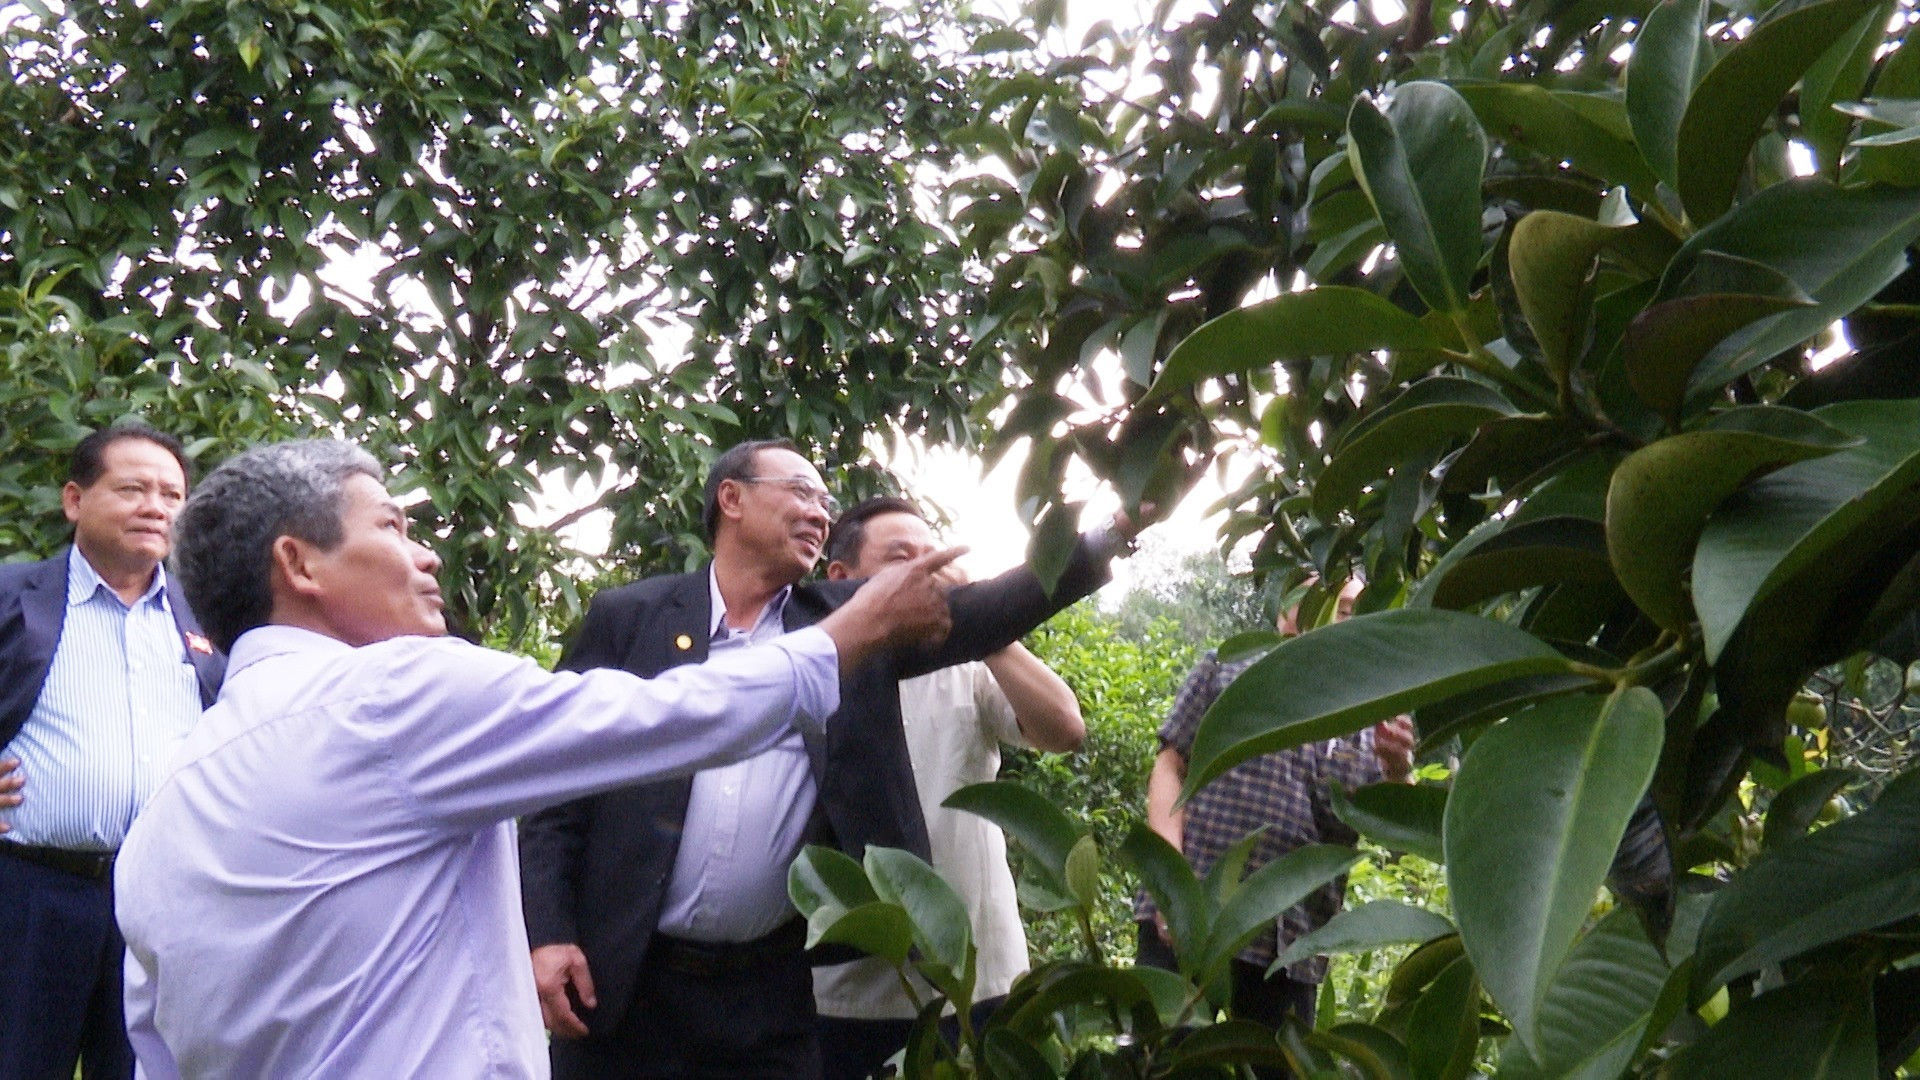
199 644
683 642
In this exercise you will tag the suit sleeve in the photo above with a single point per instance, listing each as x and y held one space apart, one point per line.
553 840
992 614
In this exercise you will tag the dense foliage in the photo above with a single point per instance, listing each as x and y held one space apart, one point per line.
500 243
1515 308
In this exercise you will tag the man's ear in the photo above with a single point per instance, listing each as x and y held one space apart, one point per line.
70 500
293 561
838 571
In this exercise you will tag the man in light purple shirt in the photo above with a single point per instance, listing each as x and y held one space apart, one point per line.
325 883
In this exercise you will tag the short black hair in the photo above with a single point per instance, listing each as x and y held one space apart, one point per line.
89 457
850 532
735 464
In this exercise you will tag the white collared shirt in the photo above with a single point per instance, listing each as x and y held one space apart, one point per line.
327 885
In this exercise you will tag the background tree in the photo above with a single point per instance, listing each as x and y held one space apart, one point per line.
498 243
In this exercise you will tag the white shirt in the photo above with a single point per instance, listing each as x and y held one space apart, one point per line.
955 719
326 884
120 693
745 821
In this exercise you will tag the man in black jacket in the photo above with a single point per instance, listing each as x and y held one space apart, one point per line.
664 944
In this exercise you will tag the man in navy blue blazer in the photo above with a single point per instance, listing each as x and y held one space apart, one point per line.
102 668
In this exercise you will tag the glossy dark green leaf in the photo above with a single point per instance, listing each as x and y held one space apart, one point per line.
1341 678
1839 245
1728 109
1839 76
1812 512
941 929
1536 813
1666 342
1589 130
1546 551
1669 55
1856 874
1421 164
1430 414
1810 1030
1376 1053
1597 1008
1662 494
1374 925
1399 817
1334 320
1444 1029
1027 816
1169 879
1554 258
1795 806
1898 78
1268 892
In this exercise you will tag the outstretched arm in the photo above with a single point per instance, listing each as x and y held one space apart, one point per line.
1043 703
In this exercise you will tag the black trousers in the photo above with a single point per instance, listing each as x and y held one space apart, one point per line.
1254 996
60 976
715 1021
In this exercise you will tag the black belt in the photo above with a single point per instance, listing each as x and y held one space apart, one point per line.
707 959
92 865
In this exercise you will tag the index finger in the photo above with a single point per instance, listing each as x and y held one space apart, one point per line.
934 561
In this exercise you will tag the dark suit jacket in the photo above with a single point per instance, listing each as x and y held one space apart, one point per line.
594 871
33 609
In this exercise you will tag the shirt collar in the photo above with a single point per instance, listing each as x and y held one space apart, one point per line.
83 581
274 639
718 605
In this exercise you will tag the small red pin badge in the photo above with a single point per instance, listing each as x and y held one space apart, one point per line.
198 643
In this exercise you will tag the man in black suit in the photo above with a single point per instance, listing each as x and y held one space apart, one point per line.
101 667
664 944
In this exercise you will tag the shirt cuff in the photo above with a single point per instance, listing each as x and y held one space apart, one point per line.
816 676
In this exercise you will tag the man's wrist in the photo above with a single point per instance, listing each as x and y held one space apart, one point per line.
1108 542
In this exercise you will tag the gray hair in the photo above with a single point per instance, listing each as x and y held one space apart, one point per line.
223 541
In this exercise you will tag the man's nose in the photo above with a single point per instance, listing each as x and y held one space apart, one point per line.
425 559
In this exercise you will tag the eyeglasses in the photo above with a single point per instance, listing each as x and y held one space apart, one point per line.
802 487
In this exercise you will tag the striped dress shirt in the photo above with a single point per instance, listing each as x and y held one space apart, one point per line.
120 694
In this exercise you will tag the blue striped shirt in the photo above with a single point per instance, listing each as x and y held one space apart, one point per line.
121 692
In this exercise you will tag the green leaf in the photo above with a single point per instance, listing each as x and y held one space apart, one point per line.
1370 926
1665 342
941 929
1839 245
1547 551
1857 874
1330 321
1795 806
1811 1030
1267 894
1669 55
1083 872
1554 259
1537 810
1169 879
1589 130
1340 678
879 929
1444 1029
1377 1054
1816 512
1033 822
1662 494
1597 1008
1399 817
1839 76
1421 164
1731 105
1899 77
1430 414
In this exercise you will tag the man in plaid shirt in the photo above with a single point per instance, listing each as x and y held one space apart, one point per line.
1284 791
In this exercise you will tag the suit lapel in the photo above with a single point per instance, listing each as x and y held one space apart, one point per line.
674 631
43 607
